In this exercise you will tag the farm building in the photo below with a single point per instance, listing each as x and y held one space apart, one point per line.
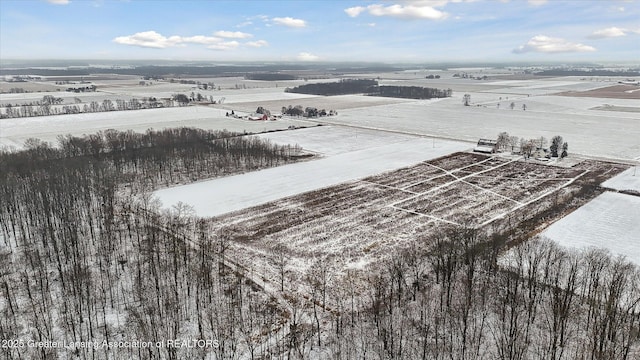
541 154
258 117
486 146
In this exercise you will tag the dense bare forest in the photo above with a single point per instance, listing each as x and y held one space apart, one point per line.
370 87
87 256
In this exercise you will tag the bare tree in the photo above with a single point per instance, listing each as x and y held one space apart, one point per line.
503 141
281 260
513 142
527 147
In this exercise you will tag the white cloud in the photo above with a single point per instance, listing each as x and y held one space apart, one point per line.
546 44
153 39
611 32
58 2
305 56
227 45
259 43
355 11
412 10
290 22
150 39
198 39
232 34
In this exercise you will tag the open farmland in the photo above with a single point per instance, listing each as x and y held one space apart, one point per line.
591 132
593 126
610 221
628 180
343 163
13 132
484 191
615 92
356 223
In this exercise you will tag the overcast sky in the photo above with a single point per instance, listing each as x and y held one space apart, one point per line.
386 31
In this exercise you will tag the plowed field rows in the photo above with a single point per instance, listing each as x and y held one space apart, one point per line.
357 222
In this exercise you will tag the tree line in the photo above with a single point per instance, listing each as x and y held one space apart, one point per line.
342 87
591 72
410 92
270 76
54 107
528 147
370 87
308 111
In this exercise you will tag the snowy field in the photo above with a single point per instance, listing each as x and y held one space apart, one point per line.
337 103
333 140
219 196
610 221
627 180
13 132
68 98
589 131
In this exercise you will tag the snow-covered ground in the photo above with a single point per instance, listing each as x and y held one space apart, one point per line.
219 196
592 132
13 132
333 140
260 94
610 221
626 180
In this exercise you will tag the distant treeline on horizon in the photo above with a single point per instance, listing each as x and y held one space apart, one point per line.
592 72
370 87
190 70
272 71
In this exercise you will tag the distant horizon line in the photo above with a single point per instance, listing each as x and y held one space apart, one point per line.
12 61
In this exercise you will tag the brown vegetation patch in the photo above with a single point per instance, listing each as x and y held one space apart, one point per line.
607 107
27 86
609 92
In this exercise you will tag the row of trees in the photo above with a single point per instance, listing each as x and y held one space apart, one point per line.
370 87
309 111
270 76
47 108
342 87
410 92
79 89
46 100
528 147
